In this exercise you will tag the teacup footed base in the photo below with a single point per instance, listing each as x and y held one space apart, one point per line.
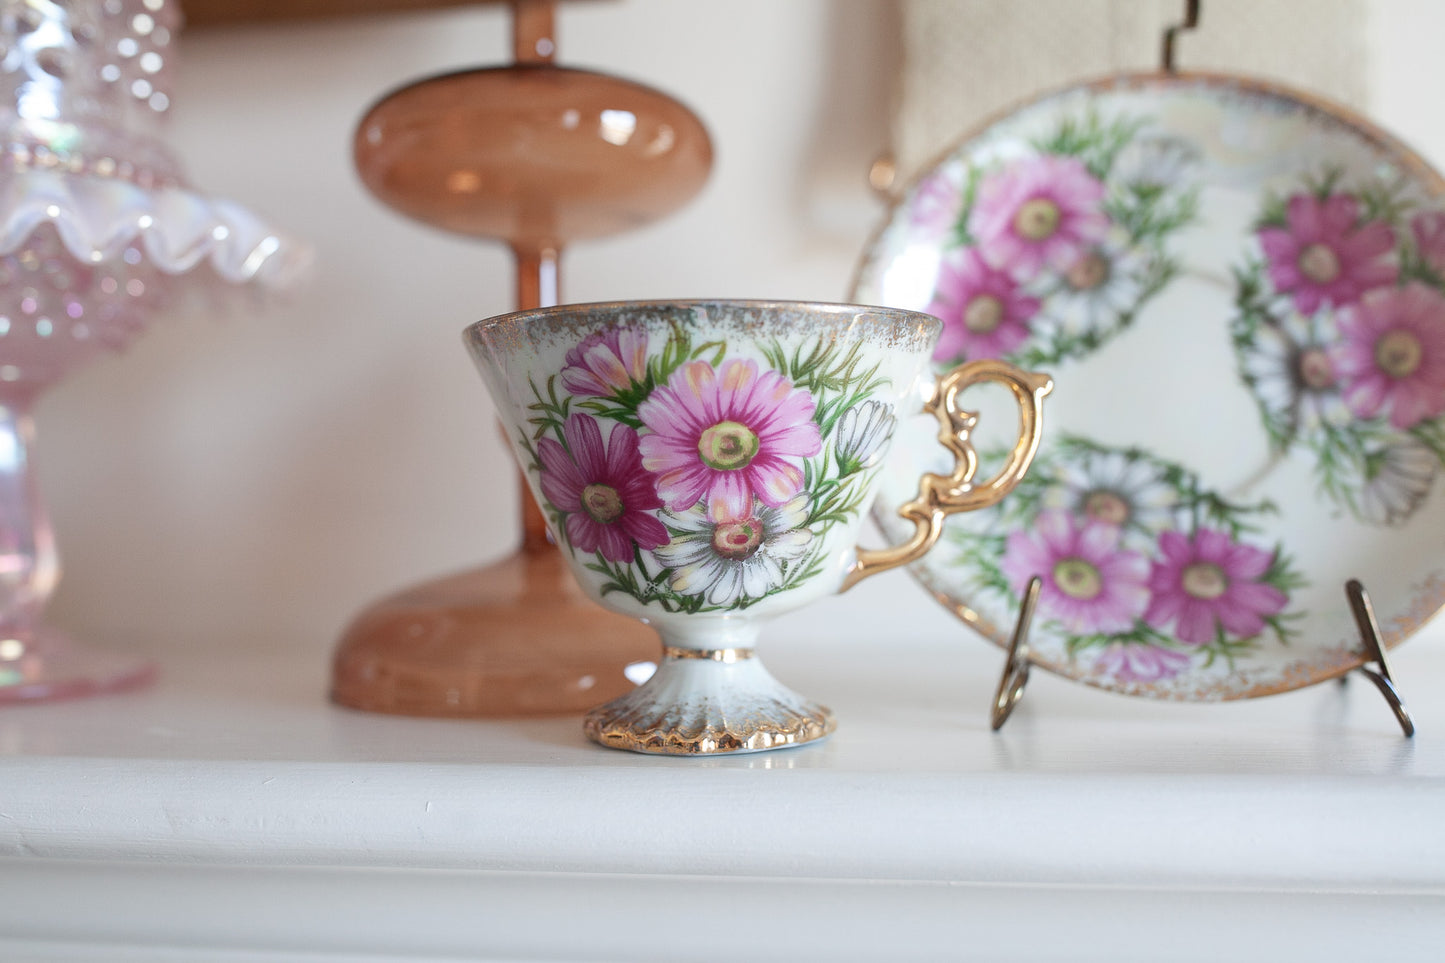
708 702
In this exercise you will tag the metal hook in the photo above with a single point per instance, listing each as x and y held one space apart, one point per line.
1375 652
1190 21
1016 661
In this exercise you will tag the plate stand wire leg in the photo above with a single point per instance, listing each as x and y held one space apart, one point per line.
1375 652
1016 663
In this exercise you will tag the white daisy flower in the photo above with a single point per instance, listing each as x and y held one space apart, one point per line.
1153 164
1288 368
1104 283
861 435
731 560
1117 487
1399 479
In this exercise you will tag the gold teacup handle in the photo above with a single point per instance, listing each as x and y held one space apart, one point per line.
940 496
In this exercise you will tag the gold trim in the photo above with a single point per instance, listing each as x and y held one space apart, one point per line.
772 727
940 496
712 655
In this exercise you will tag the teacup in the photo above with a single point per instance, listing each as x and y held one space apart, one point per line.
705 465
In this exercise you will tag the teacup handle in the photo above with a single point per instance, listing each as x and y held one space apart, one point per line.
940 496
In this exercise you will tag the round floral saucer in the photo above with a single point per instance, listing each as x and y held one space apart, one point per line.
1241 293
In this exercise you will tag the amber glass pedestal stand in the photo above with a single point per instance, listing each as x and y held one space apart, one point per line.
534 155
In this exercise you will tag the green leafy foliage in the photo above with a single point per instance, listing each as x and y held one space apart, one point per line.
1093 141
836 377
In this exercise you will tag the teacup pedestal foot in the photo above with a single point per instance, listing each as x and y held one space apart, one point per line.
709 701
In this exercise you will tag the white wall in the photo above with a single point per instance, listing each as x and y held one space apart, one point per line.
255 480
1407 73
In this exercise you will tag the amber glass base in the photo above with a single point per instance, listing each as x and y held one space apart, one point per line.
538 156
517 638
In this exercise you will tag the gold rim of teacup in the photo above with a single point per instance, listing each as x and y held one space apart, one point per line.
710 655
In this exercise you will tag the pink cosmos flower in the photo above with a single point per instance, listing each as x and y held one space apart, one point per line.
1429 230
1130 662
1208 582
935 205
1392 355
1089 584
602 489
1326 256
727 435
1042 210
984 314
606 362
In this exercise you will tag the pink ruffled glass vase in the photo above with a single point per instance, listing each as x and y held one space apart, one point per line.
99 234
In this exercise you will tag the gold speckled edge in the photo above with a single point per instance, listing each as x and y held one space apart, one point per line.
754 733
565 324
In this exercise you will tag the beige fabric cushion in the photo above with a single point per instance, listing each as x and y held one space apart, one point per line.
964 60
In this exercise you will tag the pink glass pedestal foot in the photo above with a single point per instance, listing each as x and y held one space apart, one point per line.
38 662
51 665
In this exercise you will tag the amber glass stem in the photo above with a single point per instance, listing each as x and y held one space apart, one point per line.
537 287
533 26
538 284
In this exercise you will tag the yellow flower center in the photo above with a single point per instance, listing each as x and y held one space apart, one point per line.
1204 580
1037 219
1399 354
737 540
983 314
602 503
1319 263
727 446
1077 578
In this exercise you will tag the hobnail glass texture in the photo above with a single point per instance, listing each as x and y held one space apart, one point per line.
99 234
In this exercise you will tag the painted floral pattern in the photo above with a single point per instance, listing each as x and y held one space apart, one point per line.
1325 253
728 436
1142 569
606 363
601 489
1041 211
1340 336
1049 255
1090 585
699 481
738 558
986 312
1285 268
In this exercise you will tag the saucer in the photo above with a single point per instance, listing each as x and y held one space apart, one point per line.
1240 291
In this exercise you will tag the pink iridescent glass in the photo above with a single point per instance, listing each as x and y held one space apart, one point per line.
99 233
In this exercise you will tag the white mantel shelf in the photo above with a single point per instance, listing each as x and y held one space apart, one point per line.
231 813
